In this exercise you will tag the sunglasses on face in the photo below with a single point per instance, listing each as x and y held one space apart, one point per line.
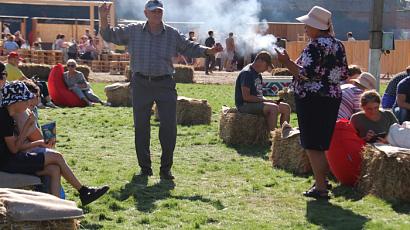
73 66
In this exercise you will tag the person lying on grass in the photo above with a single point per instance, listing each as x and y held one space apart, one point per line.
40 160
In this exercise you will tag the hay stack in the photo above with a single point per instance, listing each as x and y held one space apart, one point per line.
237 128
29 210
281 72
184 74
288 154
385 176
119 94
40 71
288 96
191 111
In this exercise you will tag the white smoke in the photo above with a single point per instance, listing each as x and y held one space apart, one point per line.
222 16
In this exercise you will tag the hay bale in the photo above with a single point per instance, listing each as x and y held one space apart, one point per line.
288 154
288 96
184 74
281 72
190 111
237 128
119 94
385 176
20 210
40 71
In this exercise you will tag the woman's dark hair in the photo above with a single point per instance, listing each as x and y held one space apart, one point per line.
369 96
353 70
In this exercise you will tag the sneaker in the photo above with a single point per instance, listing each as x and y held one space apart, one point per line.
51 105
88 194
145 172
41 106
167 175
328 185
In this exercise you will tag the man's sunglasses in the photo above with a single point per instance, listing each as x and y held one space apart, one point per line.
3 75
71 66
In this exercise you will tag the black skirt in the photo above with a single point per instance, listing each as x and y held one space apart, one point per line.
317 117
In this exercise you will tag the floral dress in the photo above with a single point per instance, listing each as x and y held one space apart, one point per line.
324 66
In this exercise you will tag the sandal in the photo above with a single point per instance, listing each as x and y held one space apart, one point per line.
317 194
328 185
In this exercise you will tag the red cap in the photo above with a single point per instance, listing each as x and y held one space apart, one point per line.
14 55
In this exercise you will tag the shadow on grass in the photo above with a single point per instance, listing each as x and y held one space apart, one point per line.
252 151
347 192
330 216
146 196
400 206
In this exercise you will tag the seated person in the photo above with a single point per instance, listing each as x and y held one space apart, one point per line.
10 45
354 73
351 94
372 124
76 82
249 96
14 73
35 157
389 96
402 106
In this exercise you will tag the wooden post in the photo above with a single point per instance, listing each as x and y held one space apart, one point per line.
23 28
92 22
34 22
376 36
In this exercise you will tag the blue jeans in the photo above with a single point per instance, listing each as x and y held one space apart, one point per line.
401 114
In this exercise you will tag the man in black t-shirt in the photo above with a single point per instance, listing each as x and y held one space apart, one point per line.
210 59
249 95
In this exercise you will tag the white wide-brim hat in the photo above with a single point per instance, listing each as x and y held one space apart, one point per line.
318 17
367 80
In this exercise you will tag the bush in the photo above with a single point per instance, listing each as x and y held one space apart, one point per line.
42 71
184 74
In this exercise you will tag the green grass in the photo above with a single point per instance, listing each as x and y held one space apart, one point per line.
216 186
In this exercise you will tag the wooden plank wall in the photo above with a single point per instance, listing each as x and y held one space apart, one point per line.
357 52
289 31
48 32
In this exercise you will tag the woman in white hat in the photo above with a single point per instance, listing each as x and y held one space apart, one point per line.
316 82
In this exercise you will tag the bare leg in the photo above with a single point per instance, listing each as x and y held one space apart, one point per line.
320 167
55 158
54 172
284 110
270 111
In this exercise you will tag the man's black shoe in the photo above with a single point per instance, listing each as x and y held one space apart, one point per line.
167 175
145 172
88 195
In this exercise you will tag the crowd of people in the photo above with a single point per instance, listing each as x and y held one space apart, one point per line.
325 88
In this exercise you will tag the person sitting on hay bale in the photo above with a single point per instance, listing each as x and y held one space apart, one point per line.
372 124
351 93
35 157
249 96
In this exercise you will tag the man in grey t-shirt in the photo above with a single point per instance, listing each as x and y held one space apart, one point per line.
151 45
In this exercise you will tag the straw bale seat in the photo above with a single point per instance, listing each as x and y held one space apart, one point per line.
287 153
21 209
385 172
237 128
184 74
191 111
119 94
15 180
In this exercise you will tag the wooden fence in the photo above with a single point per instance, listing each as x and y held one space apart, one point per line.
358 53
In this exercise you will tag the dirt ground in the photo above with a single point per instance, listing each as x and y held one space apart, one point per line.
217 77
